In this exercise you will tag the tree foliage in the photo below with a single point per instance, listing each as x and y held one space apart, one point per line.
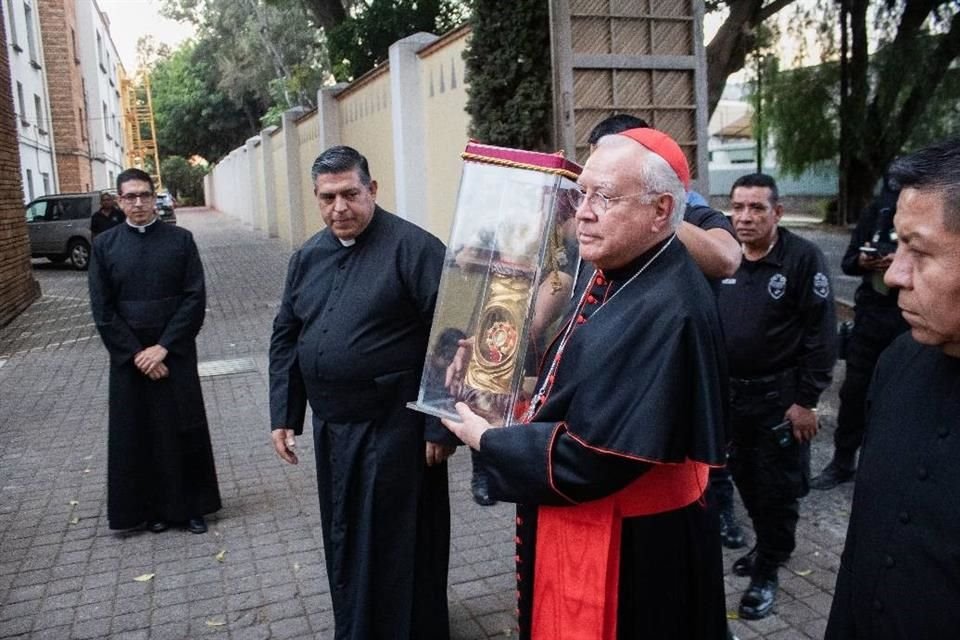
508 64
266 52
745 29
193 115
362 40
904 91
182 179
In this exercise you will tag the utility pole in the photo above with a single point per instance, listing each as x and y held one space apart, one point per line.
759 110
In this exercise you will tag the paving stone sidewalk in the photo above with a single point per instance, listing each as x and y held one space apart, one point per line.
259 572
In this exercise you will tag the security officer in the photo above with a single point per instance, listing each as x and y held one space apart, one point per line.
107 216
778 317
877 321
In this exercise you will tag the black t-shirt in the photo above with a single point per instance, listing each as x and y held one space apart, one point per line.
100 223
778 313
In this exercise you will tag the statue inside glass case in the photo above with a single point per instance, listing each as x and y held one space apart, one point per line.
511 263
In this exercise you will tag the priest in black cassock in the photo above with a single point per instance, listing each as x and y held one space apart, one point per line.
899 576
614 540
148 300
351 338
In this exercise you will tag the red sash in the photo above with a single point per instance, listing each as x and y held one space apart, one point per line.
577 570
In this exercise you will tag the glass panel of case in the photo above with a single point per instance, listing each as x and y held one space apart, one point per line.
508 276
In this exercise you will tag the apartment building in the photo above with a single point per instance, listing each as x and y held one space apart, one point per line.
100 68
61 45
31 98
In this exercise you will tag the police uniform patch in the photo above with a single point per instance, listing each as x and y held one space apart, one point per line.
777 286
821 285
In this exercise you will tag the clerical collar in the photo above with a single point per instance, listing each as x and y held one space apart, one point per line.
348 243
142 228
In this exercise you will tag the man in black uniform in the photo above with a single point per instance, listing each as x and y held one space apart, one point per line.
900 569
107 216
877 321
778 317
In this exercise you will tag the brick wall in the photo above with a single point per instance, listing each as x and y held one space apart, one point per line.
18 288
58 28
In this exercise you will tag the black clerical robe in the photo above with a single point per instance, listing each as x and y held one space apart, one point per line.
147 288
640 388
351 337
899 574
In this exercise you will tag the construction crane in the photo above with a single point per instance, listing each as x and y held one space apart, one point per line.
138 124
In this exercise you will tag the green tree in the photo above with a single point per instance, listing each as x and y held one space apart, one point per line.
264 51
183 180
193 116
362 40
744 29
902 95
508 65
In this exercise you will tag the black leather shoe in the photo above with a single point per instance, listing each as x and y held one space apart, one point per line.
731 535
481 493
831 476
743 566
197 525
157 526
757 602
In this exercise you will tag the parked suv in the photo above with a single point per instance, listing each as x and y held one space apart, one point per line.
165 207
59 227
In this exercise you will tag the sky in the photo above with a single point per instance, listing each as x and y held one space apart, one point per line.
131 19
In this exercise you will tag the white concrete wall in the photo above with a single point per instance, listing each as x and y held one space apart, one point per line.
411 138
31 99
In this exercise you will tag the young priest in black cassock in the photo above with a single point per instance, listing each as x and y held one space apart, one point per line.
148 300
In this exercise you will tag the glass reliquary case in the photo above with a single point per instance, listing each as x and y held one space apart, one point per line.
508 277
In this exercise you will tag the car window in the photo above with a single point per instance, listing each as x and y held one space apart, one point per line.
37 211
56 211
77 208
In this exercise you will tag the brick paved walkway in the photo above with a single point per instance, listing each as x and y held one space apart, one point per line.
259 572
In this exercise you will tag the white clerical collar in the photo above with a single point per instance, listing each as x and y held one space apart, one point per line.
142 228
348 243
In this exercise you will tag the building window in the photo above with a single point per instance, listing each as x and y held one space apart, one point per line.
31 39
83 124
106 122
12 19
45 177
22 105
30 195
76 50
41 121
100 51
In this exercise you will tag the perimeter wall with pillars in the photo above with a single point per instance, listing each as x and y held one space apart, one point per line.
406 116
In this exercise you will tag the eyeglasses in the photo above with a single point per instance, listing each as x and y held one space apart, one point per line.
131 198
597 202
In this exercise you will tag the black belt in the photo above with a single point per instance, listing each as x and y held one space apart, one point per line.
765 381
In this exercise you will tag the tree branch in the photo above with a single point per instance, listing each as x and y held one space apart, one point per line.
926 83
773 8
